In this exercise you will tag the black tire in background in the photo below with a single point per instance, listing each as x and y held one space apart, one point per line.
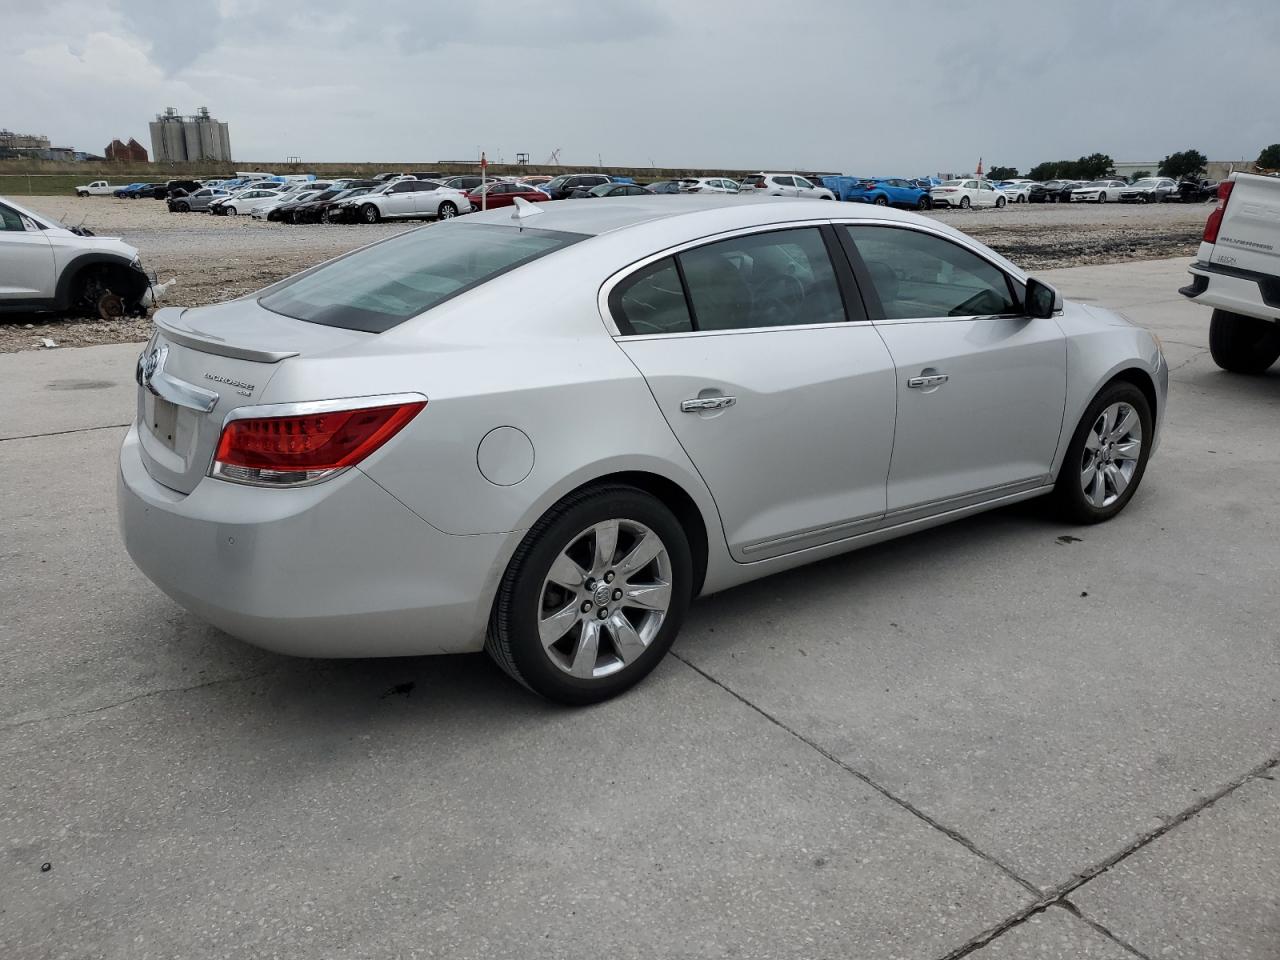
1068 491
1240 344
512 639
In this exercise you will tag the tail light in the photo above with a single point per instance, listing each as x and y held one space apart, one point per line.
316 443
761 185
1214 223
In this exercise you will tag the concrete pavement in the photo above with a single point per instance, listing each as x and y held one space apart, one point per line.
1004 738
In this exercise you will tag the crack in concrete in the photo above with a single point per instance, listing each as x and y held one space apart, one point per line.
916 812
63 433
1044 899
89 711
1191 359
1075 911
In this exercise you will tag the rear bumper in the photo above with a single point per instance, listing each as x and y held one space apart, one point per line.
1245 292
339 569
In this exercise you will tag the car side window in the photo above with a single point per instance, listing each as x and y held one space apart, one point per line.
11 221
774 279
917 275
802 182
784 181
651 300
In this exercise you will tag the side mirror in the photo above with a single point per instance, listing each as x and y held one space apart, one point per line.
1042 301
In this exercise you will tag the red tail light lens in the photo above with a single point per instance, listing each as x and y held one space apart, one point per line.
308 447
1214 223
761 185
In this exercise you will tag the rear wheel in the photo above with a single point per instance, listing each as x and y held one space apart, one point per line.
1000 202
1240 344
447 211
593 596
964 203
1107 455
369 213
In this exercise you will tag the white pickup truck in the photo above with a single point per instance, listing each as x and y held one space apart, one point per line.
99 188
1237 272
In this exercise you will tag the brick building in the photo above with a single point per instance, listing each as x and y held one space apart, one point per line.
132 151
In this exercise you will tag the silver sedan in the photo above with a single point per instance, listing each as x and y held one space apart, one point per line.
543 431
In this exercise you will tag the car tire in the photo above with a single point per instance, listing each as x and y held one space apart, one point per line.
923 203
447 210
82 193
1102 196
1245 345
1000 202
592 659
964 203
1107 457
230 212
369 213
881 201
182 207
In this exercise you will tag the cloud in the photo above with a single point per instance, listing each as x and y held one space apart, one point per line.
829 84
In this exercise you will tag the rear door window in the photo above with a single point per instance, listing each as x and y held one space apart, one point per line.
651 300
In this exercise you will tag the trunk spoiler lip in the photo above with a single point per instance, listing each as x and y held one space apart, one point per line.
168 321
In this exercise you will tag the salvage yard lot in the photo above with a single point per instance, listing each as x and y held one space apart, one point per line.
220 258
1003 728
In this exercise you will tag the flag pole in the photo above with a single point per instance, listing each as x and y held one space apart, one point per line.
484 183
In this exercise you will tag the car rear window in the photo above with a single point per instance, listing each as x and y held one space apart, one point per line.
382 286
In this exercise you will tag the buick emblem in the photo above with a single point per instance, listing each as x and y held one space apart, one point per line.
149 363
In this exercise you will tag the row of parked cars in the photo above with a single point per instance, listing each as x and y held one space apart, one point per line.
430 195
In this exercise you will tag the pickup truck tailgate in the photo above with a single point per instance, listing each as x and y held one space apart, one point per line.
1249 237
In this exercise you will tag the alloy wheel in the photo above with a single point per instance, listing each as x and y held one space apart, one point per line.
604 599
1112 450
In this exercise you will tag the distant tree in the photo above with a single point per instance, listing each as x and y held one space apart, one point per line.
1185 163
1002 173
1049 170
1269 158
1094 166
1140 175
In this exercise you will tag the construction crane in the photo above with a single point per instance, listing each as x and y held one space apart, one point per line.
554 159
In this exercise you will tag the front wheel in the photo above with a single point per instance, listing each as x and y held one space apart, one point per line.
230 211
1240 344
923 203
1102 196
882 201
1107 455
447 211
593 596
369 213
182 207
82 193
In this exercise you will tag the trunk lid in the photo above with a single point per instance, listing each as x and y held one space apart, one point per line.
1249 237
202 364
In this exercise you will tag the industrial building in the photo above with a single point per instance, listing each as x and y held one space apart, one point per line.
179 139
132 151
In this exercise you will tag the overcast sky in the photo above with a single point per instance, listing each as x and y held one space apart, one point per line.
862 87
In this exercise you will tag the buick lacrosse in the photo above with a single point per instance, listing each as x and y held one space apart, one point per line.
542 432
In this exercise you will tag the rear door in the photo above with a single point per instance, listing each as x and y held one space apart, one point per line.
981 387
782 394
1249 238
26 258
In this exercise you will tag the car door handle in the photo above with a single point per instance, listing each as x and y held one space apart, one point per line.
934 381
707 403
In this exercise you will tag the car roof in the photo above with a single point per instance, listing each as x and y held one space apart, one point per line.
708 213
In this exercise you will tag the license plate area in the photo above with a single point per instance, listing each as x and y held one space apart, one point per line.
163 420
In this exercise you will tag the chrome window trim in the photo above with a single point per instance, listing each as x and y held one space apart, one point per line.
615 278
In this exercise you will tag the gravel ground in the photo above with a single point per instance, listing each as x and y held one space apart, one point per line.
219 258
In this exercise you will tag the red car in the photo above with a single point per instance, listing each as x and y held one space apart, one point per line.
503 194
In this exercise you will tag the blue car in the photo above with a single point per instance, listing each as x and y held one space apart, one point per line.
129 190
891 192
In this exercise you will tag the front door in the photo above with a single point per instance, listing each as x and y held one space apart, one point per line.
981 387
26 258
785 407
